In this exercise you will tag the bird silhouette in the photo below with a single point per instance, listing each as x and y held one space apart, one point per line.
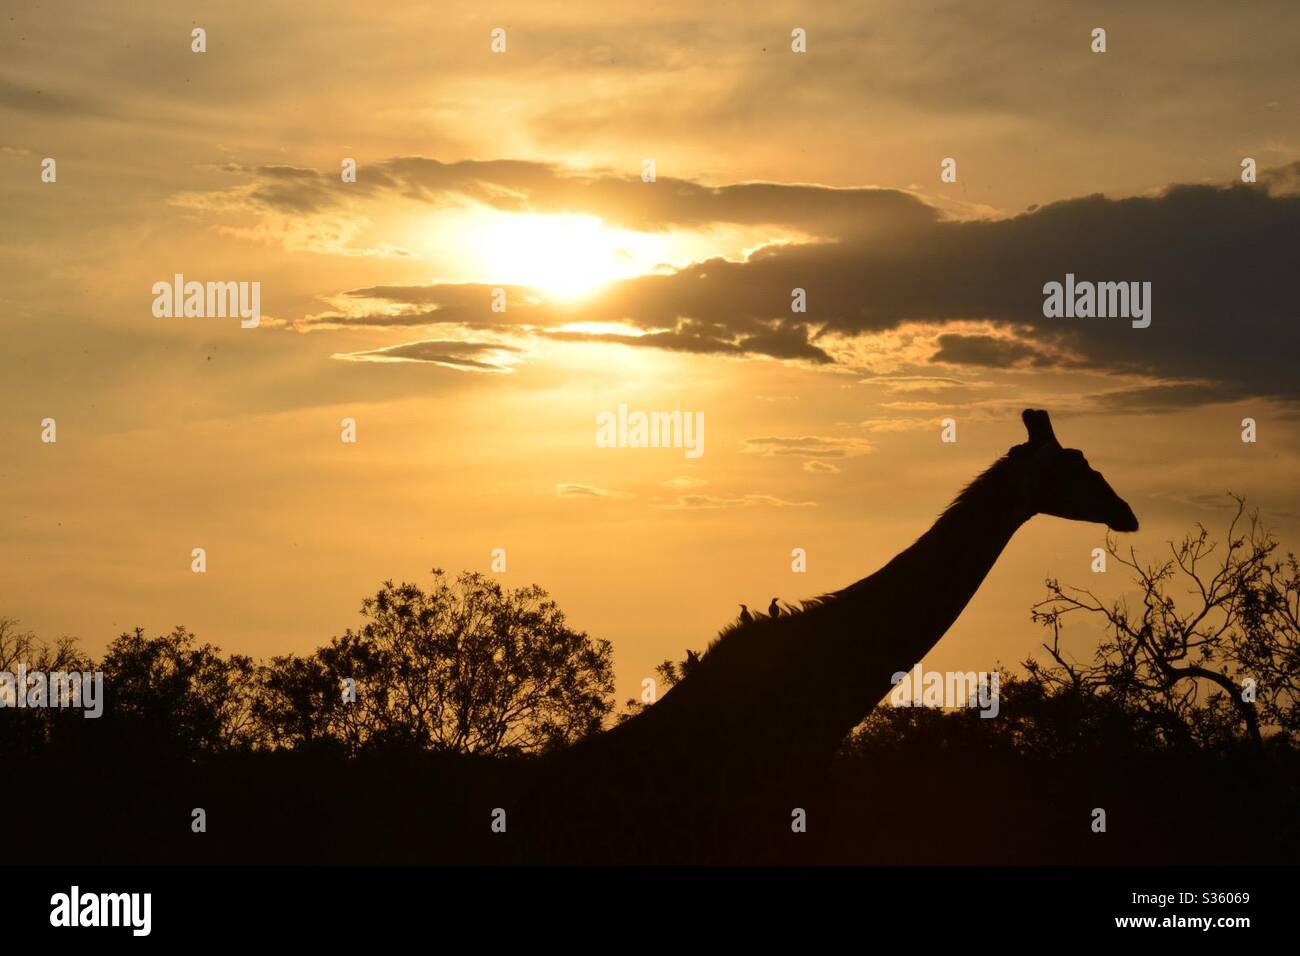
774 609
745 616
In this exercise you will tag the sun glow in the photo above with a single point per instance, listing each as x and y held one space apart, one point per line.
563 256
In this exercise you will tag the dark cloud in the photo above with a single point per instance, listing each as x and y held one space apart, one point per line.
531 187
675 341
988 350
289 189
915 382
1221 261
785 341
1173 395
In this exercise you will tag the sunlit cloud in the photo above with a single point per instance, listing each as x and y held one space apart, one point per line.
808 446
714 502
572 490
462 356
818 467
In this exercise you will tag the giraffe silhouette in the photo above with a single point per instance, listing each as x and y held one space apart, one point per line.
784 691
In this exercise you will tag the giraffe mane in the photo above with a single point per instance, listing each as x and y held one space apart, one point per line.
977 486
762 620
981 481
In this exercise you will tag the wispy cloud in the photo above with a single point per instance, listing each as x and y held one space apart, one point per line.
818 467
706 502
462 356
807 446
573 490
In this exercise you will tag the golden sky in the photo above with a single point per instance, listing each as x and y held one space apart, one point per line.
522 171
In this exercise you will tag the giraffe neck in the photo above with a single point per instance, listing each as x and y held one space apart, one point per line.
920 593
791 689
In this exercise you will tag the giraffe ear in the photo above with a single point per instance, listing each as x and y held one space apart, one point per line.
1039 427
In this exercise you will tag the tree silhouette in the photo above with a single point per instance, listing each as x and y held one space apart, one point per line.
467 667
24 647
296 706
30 728
1221 664
171 694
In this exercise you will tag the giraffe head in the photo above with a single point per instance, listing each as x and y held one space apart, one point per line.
1060 482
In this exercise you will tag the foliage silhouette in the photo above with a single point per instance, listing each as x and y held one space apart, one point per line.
171 695
467 667
457 684
1180 672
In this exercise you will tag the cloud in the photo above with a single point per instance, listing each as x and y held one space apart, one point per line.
1281 180
517 186
914 406
808 446
1165 396
685 481
288 188
570 490
821 467
908 383
459 355
991 351
775 340
896 425
465 305
1220 260
711 502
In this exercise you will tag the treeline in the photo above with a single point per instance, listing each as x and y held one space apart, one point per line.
469 667
464 666
386 744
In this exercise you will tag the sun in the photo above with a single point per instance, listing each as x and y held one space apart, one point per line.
562 256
